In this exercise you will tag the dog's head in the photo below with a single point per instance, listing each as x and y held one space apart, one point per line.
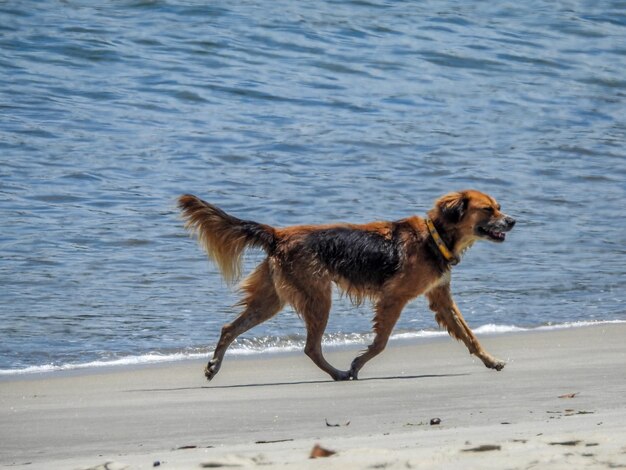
470 215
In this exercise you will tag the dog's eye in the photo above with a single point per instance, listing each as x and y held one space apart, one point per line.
488 209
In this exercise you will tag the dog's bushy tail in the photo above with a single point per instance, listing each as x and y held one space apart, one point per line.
223 236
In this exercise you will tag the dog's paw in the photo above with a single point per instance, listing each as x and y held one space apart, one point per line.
354 373
342 375
211 369
497 365
491 362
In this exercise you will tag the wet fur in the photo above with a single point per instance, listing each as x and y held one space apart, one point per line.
389 263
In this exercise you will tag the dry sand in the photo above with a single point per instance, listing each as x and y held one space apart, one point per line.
559 403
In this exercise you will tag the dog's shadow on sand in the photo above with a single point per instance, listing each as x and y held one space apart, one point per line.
302 382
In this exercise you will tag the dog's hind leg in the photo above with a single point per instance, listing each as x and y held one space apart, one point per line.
387 312
261 302
315 311
313 347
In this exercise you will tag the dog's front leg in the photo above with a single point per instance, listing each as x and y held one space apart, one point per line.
449 316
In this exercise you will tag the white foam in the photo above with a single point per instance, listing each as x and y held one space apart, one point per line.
152 358
578 324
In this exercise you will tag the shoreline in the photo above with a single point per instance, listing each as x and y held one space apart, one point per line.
398 338
558 403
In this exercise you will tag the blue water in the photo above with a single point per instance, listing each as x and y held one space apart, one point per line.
298 112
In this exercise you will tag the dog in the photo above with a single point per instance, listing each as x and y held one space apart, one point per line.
387 262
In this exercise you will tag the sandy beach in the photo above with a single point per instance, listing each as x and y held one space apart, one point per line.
559 403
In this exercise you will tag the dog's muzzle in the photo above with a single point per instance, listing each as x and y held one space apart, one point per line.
495 230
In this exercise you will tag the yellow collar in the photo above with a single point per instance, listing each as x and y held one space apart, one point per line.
443 249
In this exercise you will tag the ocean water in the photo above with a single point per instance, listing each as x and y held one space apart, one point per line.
298 112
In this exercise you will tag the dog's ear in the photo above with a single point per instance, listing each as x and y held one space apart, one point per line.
453 206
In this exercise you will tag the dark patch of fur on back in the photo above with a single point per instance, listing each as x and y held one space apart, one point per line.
361 257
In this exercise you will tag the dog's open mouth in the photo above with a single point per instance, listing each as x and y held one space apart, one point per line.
495 235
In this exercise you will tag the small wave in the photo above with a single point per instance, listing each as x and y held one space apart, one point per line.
274 345
152 358
577 324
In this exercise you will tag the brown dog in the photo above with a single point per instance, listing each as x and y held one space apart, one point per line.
389 263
